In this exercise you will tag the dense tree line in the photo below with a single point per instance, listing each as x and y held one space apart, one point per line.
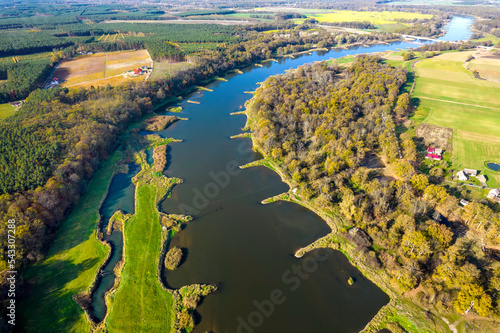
288 16
25 159
488 27
205 12
320 123
352 25
22 78
51 148
425 27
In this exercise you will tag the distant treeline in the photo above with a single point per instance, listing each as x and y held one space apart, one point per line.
491 27
205 12
352 25
426 27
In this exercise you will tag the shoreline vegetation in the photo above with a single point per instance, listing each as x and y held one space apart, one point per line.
151 187
402 313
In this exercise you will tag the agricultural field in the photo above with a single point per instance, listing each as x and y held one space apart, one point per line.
450 96
487 65
100 69
6 110
164 69
385 20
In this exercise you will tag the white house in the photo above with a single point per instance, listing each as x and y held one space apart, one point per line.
462 175
494 193
471 172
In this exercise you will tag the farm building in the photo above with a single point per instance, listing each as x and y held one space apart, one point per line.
434 156
462 175
434 153
471 172
494 194
464 202
482 179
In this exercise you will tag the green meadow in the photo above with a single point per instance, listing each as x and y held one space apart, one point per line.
139 294
70 266
6 110
450 96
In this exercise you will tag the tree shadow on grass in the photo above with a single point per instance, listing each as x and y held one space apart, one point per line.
47 304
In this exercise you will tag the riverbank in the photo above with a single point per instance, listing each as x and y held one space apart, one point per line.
401 310
146 235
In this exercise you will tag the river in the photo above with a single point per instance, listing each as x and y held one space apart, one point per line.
240 245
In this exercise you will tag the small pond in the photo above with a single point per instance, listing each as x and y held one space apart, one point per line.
493 166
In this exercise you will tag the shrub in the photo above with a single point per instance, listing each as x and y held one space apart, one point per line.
173 258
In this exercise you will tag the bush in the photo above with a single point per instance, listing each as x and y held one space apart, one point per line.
173 258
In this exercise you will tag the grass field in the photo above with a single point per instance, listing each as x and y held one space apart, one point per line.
6 110
450 96
70 266
140 304
89 68
164 69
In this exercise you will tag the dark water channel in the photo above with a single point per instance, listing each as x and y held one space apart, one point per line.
120 197
234 241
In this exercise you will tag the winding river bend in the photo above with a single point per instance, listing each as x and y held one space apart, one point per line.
242 246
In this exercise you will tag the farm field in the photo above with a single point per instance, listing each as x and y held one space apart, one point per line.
70 266
450 96
382 20
89 68
6 110
487 65
164 69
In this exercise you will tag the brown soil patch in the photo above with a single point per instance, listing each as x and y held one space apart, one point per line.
81 67
435 136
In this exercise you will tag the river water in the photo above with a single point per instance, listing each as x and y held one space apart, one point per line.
242 246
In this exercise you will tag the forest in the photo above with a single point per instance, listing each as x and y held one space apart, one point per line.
22 77
322 124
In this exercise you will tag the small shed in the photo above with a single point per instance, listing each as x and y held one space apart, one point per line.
438 151
464 202
482 179
431 150
471 172
137 71
462 175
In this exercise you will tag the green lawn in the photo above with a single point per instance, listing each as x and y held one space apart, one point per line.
6 110
140 304
70 265
450 96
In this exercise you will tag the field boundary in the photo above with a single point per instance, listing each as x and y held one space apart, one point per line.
453 102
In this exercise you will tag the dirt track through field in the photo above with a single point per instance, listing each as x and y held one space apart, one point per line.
442 100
